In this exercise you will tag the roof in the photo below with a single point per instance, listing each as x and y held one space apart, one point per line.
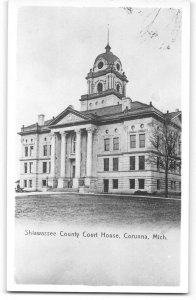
108 110
108 56
115 109
99 115
36 127
174 114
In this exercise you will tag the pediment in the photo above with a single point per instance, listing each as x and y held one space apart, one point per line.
70 118
177 120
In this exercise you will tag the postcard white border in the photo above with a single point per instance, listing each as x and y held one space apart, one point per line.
11 124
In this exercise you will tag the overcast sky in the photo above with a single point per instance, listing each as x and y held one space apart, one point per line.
57 46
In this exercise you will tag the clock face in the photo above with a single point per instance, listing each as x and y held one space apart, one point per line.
100 65
118 67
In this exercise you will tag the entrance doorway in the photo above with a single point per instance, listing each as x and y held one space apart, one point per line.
106 185
73 171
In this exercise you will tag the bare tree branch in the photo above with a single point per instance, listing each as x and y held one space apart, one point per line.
162 24
165 148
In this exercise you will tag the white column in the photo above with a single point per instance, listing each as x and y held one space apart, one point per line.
109 80
78 152
53 155
63 148
124 90
89 152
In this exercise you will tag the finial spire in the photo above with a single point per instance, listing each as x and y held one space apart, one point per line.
108 33
108 46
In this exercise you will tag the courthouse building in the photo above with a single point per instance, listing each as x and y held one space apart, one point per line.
101 148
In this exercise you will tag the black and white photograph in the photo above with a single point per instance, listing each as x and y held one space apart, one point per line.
98 143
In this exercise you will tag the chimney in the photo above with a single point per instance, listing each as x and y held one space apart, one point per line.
177 109
41 120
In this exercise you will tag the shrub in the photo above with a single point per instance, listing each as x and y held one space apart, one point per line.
141 192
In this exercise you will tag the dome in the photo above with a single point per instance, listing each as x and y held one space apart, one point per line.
108 56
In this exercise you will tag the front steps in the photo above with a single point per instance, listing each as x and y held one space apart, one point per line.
68 190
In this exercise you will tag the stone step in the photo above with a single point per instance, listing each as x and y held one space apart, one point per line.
69 190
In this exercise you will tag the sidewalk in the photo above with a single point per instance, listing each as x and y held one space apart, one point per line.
18 195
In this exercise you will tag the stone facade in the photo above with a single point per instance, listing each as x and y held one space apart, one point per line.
102 148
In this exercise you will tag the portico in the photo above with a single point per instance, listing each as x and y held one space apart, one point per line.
71 156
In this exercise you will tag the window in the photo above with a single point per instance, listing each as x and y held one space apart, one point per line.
30 167
158 142
132 141
116 143
118 67
50 150
25 183
179 185
142 140
141 184
100 87
49 167
115 183
115 164
118 88
174 166
172 185
132 183
25 167
30 183
44 183
31 150
179 169
26 151
45 150
132 162
141 162
158 162
158 184
44 167
106 144
106 164
74 144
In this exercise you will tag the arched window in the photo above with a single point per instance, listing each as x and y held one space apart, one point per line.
118 88
100 87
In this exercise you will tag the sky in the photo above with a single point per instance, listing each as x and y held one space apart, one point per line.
57 46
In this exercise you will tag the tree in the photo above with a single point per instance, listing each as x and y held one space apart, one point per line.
163 24
166 147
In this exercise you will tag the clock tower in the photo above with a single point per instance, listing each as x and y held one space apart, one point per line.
106 82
